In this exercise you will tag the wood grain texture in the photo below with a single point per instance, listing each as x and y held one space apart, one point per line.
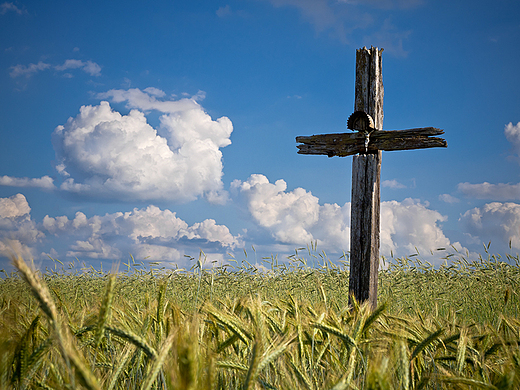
347 144
366 173
364 227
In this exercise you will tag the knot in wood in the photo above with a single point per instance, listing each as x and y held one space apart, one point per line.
360 121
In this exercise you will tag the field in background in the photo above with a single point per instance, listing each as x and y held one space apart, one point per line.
286 326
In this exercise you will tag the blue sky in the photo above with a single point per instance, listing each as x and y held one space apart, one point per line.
164 129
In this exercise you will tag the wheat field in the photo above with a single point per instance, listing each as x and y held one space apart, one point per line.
287 325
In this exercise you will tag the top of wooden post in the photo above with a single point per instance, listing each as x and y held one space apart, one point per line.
369 84
369 101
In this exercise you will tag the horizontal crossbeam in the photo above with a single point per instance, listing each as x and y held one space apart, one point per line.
347 144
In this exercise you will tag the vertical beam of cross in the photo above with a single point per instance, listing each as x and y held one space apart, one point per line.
368 140
366 173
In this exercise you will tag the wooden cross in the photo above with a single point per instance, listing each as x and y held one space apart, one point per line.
366 144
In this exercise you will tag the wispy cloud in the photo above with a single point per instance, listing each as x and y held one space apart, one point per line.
10 7
355 20
394 184
500 191
512 133
447 198
389 37
88 67
386 4
45 182
27 71
323 15
224 11
151 99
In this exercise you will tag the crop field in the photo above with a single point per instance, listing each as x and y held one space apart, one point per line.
282 326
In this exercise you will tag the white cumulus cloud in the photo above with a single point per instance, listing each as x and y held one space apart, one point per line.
496 222
410 225
287 215
13 207
103 153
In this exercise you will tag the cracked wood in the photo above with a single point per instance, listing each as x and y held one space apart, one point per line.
347 144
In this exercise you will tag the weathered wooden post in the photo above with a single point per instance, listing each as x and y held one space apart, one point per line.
366 173
367 143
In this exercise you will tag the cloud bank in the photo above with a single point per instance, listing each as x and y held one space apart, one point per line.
148 232
296 217
104 154
145 233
